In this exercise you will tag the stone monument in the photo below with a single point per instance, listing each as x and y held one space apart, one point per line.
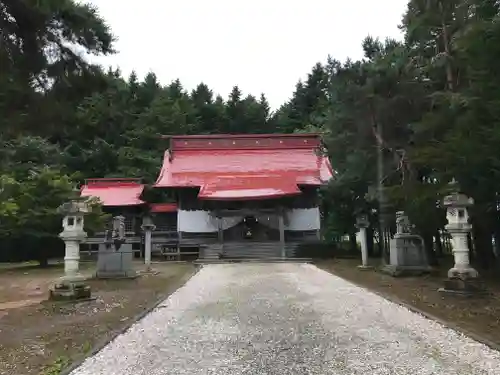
463 279
148 227
362 223
407 250
114 259
72 285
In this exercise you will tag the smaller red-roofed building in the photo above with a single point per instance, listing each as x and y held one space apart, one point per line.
114 192
123 196
235 195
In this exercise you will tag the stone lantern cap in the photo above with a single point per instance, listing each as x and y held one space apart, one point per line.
457 199
362 221
75 206
147 223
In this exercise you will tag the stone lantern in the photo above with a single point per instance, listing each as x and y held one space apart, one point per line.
148 227
71 285
362 223
462 278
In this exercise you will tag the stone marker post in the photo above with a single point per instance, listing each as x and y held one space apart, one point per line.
362 223
462 278
71 285
148 227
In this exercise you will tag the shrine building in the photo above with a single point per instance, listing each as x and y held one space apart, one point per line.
234 196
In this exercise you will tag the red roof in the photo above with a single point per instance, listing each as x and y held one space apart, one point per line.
114 191
163 207
244 166
248 187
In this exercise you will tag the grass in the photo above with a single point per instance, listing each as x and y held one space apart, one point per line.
57 366
44 338
15 265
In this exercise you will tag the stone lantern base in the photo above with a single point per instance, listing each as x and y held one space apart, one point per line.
70 290
464 286
365 268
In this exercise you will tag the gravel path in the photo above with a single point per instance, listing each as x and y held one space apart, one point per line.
284 319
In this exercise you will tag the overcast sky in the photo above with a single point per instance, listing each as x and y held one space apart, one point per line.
259 45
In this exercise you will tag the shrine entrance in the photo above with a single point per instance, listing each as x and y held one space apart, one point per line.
249 229
252 233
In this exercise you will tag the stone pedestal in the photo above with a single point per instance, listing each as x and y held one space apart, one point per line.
468 287
114 259
407 256
71 286
147 249
113 263
462 268
407 251
70 290
148 227
362 223
72 255
364 250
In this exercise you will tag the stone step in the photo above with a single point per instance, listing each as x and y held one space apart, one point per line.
253 260
249 250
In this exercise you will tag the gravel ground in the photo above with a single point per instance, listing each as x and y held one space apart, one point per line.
283 319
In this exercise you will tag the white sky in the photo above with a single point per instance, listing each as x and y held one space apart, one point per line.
259 45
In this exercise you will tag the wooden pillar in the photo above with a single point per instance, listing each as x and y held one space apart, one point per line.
220 232
282 234
177 226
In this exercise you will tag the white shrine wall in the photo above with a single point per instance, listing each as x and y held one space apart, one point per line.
198 221
302 219
202 222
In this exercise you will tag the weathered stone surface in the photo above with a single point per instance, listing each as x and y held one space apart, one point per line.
285 319
463 279
400 271
71 286
69 292
115 264
407 251
468 287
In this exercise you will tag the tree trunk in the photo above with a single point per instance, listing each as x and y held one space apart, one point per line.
369 242
353 244
482 233
41 248
483 247
450 79
496 234
439 244
429 249
44 262
472 253
380 245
